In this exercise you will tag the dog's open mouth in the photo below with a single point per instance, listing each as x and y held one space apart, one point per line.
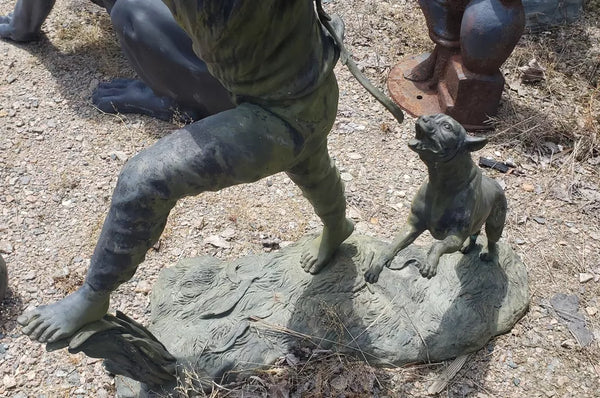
425 144
415 144
422 141
419 142
425 137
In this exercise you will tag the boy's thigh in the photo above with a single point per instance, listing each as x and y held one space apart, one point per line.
236 146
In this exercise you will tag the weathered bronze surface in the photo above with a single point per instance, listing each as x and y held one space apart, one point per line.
455 202
233 317
277 61
236 316
461 76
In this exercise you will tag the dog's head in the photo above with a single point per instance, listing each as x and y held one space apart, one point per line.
439 138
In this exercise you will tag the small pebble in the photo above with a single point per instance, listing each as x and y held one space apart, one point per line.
527 187
227 233
569 343
60 373
122 156
6 247
562 380
29 276
143 287
9 381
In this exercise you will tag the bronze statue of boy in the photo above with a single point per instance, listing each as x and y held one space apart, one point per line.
276 60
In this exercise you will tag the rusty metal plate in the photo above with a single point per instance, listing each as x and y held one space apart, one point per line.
415 98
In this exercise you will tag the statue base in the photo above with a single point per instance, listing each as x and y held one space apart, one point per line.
468 97
220 320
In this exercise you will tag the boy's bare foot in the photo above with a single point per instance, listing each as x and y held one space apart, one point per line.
53 322
320 250
134 96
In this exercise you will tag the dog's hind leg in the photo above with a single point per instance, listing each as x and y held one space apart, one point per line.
494 226
469 243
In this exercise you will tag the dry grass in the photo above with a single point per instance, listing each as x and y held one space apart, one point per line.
305 372
91 35
309 371
564 108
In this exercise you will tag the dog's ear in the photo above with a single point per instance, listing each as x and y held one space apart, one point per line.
473 144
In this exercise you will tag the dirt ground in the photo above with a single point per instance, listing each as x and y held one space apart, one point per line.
60 157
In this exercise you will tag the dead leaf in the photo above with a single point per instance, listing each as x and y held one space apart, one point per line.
217 241
533 72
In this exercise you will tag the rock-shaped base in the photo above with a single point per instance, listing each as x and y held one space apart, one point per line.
219 316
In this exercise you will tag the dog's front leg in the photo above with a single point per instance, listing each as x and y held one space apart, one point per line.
450 244
376 261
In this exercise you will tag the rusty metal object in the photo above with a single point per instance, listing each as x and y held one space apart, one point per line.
461 76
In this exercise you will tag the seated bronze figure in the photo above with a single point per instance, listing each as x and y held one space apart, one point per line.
174 81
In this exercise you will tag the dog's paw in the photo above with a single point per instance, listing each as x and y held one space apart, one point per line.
372 274
489 254
428 269
488 257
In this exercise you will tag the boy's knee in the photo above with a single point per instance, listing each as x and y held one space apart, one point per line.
140 183
129 17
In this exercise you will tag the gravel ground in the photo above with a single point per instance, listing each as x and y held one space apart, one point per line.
60 157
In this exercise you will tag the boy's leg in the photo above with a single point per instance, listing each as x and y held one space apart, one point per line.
233 147
174 79
320 182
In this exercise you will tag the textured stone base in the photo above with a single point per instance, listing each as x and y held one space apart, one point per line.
216 316
246 313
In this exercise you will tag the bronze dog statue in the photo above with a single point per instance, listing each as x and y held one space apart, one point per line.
453 204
